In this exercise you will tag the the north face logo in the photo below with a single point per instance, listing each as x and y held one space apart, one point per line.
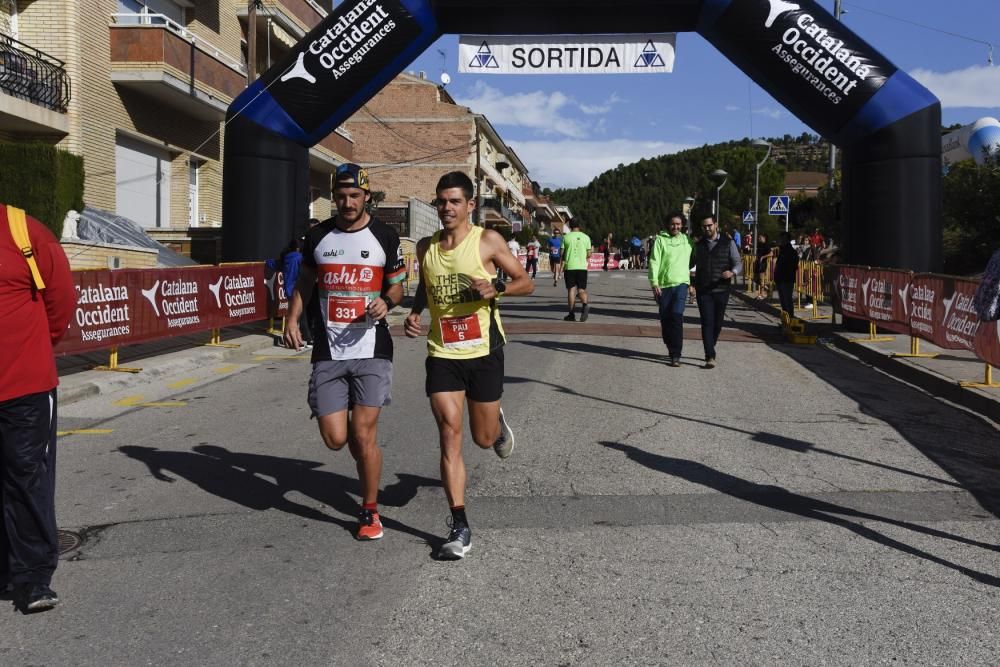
779 7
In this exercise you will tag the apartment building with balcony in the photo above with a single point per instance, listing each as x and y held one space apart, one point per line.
148 86
412 132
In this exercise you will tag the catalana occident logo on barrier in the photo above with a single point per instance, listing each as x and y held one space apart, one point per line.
848 283
885 299
924 296
132 305
340 57
804 50
567 54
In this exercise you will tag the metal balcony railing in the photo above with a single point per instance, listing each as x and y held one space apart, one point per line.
150 18
505 213
33 75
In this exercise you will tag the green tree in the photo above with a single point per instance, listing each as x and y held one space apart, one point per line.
971 215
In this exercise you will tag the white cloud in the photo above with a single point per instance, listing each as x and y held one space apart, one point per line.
976 86
769 112
694 128
572 163
603 108
732 107
546 112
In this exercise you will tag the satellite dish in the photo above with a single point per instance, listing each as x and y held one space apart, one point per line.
445 79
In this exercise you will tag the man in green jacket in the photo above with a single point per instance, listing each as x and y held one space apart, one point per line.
670 276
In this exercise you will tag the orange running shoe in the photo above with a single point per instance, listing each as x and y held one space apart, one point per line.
369 525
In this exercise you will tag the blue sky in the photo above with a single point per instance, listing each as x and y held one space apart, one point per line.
569 128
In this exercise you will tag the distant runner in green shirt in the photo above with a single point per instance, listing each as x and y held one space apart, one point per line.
576 250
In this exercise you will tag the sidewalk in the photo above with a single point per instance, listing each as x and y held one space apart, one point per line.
939 376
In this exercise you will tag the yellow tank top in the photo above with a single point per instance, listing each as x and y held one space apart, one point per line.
463 325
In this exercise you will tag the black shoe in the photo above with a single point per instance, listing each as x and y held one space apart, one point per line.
31 598
458 543
674 362
570 318
585 313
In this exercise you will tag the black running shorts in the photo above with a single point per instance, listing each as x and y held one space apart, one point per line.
576 278
481 378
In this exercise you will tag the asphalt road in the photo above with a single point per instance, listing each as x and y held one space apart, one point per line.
792 506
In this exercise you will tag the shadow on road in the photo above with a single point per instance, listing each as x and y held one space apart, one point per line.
240 478
778 498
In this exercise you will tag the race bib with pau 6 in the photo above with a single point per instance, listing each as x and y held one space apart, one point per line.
347 311
463 331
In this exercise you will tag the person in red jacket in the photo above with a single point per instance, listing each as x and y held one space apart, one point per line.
32 321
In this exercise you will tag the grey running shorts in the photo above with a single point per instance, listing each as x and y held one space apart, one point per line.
336 386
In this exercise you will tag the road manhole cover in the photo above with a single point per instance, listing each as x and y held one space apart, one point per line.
68 541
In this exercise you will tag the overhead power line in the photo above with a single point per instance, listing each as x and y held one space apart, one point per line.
956 35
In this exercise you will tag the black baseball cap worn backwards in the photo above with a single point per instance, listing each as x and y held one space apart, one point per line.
350 175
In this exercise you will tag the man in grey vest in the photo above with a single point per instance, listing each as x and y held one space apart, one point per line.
717 260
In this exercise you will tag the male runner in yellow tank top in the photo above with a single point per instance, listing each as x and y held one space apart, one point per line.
465 339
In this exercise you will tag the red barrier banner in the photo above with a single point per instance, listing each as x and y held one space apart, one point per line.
988 342
848 284
128 306
885 301
277 295
925 309
941 311
596 262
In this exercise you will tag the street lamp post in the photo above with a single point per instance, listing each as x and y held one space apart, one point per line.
720 177
688 212
760 143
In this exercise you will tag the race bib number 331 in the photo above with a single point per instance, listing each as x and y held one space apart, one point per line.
347 310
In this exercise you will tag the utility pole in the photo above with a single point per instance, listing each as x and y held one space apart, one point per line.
251 41
837 11
479 180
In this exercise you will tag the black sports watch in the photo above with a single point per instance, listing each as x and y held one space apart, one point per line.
388 302
499 285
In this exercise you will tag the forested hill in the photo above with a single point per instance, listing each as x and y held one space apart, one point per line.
636 198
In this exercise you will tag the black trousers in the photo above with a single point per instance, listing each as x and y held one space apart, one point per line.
712 309
29 543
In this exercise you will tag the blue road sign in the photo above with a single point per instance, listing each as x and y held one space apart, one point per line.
778 205
749 218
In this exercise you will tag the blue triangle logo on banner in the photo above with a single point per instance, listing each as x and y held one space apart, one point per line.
484 58
649 57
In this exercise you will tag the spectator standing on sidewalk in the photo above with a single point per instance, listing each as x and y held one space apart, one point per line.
577 248
785 270
288 264
717 262
669 276
515 249
37 299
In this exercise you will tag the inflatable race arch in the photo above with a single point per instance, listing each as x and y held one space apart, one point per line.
887 124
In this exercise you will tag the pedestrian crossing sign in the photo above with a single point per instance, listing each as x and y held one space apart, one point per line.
749 218
778 205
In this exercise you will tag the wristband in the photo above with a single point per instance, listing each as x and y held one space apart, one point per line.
388 302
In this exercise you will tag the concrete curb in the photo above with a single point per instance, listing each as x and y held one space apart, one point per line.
79 386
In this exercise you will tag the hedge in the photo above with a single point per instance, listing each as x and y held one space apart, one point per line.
43 180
